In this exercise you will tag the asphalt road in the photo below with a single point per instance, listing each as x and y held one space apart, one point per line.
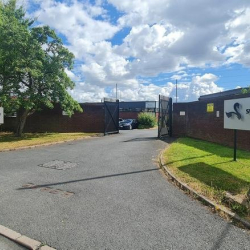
115 198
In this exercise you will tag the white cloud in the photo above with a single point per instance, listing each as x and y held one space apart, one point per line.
203 24
202 85
175 77
150 46
187 91
84 92
165 36
238 27
76 20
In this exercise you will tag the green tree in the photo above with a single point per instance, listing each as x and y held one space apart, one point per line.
32 66
246 90
146 120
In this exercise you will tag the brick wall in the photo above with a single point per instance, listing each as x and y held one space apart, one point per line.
197 123
52 120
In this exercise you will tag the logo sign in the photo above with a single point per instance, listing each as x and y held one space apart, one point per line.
210 107
1 115
237 114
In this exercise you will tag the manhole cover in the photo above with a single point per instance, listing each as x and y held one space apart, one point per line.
59 165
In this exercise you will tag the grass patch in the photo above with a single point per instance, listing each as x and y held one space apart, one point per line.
209 168
10 141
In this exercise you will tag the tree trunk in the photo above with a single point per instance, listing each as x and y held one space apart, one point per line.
21 116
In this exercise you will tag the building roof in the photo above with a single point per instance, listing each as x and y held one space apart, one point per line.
221 94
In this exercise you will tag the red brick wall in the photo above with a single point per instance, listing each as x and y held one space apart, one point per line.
52 120
197 123
10 124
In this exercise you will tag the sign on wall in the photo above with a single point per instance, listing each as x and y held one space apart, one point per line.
210 107
1 115
237 114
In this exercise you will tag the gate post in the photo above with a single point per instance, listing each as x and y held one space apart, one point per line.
170 116
159 115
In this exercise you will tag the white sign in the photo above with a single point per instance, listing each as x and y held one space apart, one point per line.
182 113
109 100
150 105
237 114
1 116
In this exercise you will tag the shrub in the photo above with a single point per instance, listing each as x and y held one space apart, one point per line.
146 120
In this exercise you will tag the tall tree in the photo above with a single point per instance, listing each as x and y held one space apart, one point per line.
32 66
246 90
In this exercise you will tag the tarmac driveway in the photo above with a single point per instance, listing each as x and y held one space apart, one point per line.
114 198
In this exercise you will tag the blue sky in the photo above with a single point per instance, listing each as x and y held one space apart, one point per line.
144 46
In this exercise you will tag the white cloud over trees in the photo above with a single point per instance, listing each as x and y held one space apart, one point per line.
164 36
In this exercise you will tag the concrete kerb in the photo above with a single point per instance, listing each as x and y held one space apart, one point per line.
23 240
216 208
49 144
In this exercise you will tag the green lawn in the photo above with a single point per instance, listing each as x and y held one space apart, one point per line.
10 141
208 167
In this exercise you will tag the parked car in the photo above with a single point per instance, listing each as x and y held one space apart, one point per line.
128 124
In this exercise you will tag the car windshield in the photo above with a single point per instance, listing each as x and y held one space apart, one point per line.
127 120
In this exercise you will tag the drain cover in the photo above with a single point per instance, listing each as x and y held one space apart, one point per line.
59 165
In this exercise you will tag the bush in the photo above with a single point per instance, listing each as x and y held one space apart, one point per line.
146 120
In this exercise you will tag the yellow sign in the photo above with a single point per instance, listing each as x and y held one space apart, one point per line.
210 107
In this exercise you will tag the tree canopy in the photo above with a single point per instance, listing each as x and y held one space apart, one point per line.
32 66
246 90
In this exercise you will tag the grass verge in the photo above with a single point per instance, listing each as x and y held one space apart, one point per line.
10 141
209 169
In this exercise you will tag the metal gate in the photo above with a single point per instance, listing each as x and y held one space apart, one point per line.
165 116
111 109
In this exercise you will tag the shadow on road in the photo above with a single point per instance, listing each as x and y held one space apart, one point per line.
143 139
89 179
163 139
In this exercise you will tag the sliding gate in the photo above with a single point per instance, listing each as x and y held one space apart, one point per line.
111 120
165 116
